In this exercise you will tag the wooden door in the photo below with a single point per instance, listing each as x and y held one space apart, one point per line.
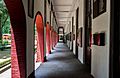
87 31
77 16
72 32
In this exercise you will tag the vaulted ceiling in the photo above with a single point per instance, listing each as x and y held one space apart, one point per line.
62 9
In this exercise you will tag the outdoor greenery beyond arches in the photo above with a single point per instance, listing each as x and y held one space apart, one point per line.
5 37
4 19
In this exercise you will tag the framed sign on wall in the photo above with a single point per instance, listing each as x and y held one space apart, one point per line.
95 39
102 6
31 8
95 8
79 38
99 7
99 39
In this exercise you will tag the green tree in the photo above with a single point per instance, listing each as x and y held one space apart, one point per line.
6 26
4 19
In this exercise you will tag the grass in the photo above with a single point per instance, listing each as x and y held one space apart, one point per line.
4 62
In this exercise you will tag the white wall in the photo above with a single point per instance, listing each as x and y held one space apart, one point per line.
38 6
100 54
80 54
80 4
81 24
70 45
30 42
48 12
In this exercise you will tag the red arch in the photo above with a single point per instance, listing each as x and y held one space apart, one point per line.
52 37
18 32
48 46
40 37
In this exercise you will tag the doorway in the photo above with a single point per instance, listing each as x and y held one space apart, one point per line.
72 33
61 34
39 38
87 31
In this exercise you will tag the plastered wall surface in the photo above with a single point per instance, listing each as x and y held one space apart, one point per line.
80 4
38 6
100 54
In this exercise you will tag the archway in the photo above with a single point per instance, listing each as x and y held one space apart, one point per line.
61 34
18 33
52 37
40 37
48 46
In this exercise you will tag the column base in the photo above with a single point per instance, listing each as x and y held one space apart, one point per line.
45 59
50 52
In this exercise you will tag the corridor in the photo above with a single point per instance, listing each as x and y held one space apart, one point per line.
89 30
62 64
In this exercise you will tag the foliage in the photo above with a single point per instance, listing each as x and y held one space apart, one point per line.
5 19
6 27
5 42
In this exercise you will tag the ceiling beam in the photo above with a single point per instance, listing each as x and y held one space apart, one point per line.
60 24
62 11
63 17
62 21
62 5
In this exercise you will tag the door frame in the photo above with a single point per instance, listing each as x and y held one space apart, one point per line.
59 32
86 31
114 39
77 21
72 32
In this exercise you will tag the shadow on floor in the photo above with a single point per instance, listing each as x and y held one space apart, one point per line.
62 64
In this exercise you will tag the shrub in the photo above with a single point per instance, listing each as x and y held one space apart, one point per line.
5 42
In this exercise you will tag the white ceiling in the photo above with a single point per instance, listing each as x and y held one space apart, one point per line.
62 9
